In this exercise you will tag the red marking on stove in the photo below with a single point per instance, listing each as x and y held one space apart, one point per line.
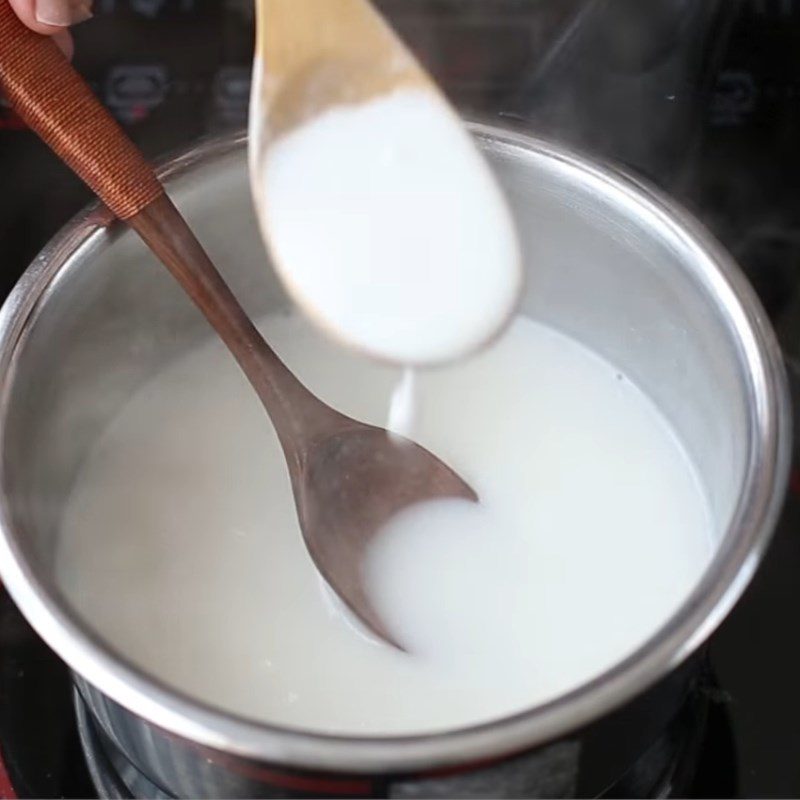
325 787
469 766
794 481
6 787
7 791
138 113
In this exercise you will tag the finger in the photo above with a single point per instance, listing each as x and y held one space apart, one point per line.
64 41
51 16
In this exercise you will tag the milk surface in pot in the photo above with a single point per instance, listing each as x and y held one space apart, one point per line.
180 544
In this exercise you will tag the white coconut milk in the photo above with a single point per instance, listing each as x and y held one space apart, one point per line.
180 544
388 227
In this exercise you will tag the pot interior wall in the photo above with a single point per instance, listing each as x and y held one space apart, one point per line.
603 267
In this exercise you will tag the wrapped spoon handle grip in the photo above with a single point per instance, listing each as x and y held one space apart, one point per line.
55 102
53 99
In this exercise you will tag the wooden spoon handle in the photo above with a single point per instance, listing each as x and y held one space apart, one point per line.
57 104
295 412
54 101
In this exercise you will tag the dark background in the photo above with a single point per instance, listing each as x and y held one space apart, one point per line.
700 96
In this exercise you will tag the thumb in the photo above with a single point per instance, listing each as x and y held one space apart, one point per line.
51 16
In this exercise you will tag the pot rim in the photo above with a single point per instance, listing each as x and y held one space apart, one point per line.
722 584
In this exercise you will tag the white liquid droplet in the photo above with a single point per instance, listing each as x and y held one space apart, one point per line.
403 406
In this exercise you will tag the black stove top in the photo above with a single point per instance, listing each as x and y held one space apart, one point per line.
701 96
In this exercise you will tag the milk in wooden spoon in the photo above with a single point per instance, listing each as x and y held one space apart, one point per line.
385 223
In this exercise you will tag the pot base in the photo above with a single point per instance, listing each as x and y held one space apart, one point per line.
673 766
113 776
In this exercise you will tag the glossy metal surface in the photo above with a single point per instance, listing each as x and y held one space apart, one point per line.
611 262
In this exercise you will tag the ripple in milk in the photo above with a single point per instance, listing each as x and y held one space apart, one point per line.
180 543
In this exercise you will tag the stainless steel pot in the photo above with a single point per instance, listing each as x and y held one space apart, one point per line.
611 262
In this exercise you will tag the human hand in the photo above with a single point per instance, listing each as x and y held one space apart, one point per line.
53 17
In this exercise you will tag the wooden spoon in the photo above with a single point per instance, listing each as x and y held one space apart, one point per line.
312 55
348 478
347 127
